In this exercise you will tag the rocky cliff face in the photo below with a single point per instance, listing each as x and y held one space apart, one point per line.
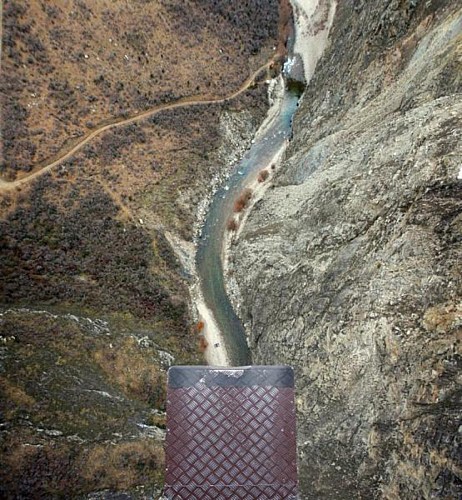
350 267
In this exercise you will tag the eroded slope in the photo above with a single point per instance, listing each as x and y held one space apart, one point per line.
349 269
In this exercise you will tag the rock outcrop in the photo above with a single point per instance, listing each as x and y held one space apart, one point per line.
350 267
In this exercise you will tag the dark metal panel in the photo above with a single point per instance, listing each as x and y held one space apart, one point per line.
231 433
187 376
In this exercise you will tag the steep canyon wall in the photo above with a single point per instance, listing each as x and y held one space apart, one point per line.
350 267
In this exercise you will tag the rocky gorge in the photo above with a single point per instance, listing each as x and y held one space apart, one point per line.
346 265
349 268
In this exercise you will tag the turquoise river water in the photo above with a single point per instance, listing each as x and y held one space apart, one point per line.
209 253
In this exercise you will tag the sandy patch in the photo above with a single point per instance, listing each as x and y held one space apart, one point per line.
313 20
215 353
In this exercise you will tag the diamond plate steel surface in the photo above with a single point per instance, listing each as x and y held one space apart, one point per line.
231 434
186 376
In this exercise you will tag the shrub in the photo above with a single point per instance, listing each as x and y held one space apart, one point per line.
203 344
200 326
243 200
232 225
263 175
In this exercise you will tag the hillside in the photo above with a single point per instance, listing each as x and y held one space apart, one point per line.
349 268
94 304
70 66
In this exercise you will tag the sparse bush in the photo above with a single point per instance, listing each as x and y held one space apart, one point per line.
263 175
243 200
68 244
203 344
232 225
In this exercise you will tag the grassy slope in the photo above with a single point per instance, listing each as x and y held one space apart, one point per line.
81 379
69 66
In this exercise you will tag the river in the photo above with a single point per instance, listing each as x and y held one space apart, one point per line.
269 141
313 20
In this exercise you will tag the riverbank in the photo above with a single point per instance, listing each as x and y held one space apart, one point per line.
237 130
213 286
313 20
216 353
258 190
215 350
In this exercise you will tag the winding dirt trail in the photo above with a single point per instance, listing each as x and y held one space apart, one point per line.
180 103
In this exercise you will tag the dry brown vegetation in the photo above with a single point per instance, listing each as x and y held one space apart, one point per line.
75 250
74 380
87 237
122 465
243 200
70 66
136 375
232 225
48 467
203 344
263 175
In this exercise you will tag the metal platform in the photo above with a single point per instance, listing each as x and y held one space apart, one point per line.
231 433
